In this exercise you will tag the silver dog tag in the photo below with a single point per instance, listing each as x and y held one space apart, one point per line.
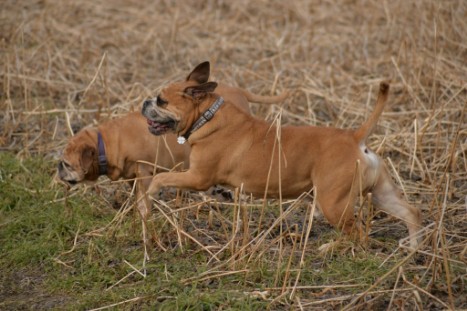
181 140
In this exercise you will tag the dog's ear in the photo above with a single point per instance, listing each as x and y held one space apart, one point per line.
200 74
200 91
88 156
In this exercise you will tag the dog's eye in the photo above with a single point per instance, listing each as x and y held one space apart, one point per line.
161 102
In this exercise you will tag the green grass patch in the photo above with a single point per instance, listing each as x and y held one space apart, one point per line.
59 248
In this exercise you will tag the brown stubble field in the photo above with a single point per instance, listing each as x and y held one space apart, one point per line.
67 64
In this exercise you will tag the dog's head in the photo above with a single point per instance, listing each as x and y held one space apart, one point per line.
177 107
79 160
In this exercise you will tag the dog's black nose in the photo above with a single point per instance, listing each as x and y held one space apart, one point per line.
146 103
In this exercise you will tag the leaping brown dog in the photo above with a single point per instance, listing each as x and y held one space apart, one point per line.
231 147
118 148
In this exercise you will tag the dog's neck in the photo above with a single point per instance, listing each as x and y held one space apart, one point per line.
202 120
101 157
100 163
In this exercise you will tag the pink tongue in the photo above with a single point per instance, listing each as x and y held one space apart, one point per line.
157 126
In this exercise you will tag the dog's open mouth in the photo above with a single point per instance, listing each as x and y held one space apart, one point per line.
159 128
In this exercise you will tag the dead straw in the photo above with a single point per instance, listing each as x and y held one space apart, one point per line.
68 64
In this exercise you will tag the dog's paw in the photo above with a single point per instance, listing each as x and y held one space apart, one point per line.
221 194
168 194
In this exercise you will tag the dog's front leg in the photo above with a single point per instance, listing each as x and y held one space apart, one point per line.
143 179
182 180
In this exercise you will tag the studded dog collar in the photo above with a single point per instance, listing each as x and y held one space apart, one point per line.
205 117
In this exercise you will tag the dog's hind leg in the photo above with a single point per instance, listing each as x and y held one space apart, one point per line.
387 197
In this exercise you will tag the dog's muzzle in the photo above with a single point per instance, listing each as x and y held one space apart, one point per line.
146 105
157 124
63 174
160 128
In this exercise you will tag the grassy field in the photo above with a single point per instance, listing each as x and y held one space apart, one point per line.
68 64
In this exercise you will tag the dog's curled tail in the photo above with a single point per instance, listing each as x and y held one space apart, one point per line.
362 133
260 99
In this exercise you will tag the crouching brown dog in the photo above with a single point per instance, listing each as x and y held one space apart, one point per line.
231 147
118 148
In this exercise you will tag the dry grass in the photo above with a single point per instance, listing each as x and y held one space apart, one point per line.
65 64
